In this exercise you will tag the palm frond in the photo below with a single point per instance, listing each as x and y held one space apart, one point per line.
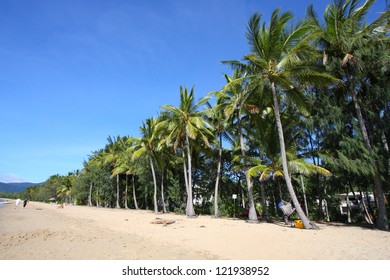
235 65
256 170
321 170
358 14
312 15
139 152
297 36
266 174
277 26
253 35
277 173
258 62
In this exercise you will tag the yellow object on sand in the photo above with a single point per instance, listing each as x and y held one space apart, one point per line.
298 224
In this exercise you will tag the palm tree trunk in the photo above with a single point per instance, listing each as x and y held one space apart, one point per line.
126 206
216 210
274 202
185 169
155 187
279 188
348 208
382 221
190 204
263 202
365 210
117 192
386 148
321 199
304 195
162 191
90 194
134 195
97 198
242 189
306 222
252 216
326 206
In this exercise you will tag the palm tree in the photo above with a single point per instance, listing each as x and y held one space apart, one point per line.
269 165
66 188
344 34
96 160
112 154
219 121
184 124
232 100
283 58
274 169
122 166
147 146
127 166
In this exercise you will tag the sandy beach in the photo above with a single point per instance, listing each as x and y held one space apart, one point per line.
45 232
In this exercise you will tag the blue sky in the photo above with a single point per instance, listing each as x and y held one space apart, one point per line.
74 72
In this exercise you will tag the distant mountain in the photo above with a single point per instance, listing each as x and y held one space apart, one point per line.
15 187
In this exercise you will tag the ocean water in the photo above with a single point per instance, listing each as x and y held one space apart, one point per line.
2 203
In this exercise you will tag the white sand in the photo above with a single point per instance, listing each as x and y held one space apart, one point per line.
44 232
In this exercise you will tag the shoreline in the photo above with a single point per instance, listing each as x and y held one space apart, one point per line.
43 231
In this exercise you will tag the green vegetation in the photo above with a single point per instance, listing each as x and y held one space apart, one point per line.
304 117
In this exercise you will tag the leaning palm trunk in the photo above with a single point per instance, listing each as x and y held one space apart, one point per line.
190 204
306 222
155 186
252 216
365 210
382 221
216 210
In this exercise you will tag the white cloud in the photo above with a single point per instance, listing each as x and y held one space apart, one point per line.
10 178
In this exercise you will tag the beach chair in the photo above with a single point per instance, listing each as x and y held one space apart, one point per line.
287 210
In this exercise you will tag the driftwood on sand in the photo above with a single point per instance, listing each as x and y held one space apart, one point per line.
160 221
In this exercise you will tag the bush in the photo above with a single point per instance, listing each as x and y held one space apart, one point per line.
227 209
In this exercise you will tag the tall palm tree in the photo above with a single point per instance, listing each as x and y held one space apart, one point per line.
66 189
270 164
282 57
112 153
93 165
184 124
344 34
232 99
127 166
147 146
220 123
123 166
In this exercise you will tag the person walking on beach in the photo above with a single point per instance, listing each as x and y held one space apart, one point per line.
17 202
25 203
